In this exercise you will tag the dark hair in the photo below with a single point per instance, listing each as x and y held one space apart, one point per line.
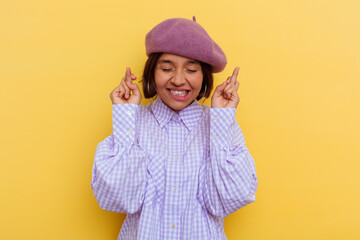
148 79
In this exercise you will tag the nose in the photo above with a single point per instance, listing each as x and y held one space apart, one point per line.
178 78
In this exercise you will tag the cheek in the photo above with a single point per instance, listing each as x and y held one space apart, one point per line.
157 82
197 82
160 79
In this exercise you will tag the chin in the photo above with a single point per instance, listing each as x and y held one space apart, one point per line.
179 107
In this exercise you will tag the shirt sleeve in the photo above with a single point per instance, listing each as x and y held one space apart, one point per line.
119 169
229 176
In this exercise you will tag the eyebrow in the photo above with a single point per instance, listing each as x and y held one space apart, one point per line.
169 61
165 61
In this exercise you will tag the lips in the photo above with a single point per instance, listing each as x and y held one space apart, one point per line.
179 94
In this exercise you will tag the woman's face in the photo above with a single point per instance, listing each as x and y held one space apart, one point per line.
178 80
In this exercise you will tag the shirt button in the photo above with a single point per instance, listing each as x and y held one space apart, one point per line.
129 113
176 128
173 225
130 132
175 116
174 188
214 137
176 156
215 117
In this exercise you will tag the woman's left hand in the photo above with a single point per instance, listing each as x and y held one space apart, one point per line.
225 95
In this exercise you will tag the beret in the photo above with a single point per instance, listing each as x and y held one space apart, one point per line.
186 38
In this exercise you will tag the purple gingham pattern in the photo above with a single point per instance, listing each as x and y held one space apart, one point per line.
176 174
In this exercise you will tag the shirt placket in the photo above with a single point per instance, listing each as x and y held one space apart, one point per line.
173 178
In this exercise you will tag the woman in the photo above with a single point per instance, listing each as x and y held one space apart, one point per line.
176 167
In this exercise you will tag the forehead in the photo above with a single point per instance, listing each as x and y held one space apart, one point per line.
176 59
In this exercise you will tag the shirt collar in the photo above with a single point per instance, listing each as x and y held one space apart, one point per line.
162 112
189 115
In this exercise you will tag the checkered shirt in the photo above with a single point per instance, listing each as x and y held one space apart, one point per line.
175 174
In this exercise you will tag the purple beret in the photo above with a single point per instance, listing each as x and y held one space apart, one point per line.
186 38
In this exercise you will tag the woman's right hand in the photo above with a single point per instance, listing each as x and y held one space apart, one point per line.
127 91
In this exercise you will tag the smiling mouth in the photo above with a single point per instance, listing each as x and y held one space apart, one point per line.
179 93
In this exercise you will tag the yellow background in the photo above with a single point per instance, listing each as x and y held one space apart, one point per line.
299 110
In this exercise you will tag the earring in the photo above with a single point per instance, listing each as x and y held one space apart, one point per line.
148 89
203 95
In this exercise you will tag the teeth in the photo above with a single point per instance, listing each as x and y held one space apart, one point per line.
179 93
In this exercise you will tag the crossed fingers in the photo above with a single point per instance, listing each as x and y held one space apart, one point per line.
232 85
125 84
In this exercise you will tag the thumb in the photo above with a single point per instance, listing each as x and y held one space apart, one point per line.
134 87
219 89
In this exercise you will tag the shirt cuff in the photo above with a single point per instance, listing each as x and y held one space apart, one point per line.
221 130
124 122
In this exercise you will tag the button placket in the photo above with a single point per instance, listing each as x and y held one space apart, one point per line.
173 180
